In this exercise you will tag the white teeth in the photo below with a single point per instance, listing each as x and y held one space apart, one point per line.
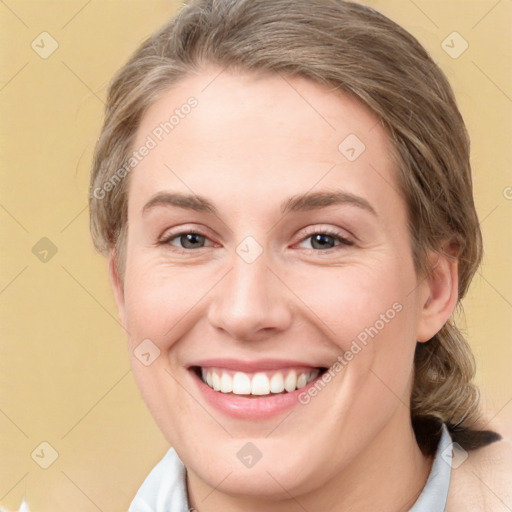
302 380
216 382
260 383
241 384
290 383
226 383
277 383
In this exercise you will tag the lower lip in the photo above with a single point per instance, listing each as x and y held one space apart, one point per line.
253 407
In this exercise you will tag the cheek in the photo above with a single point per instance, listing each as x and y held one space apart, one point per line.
369 313
162 304
159 300
372 298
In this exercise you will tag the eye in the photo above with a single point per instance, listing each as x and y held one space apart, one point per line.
186 240
325 240
320 240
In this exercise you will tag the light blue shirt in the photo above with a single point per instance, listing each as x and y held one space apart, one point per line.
165 488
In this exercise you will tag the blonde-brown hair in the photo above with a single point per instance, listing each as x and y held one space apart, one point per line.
361 52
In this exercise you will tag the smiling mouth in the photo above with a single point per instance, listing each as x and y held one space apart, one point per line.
257 383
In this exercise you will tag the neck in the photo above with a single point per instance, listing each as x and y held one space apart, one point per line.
388 476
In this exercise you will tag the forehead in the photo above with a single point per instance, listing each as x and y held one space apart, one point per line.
253 133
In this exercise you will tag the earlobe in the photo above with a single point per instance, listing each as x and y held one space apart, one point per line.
117 285
441 287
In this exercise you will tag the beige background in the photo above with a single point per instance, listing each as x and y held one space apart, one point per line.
64 370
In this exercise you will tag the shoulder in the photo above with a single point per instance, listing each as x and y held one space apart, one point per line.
481 480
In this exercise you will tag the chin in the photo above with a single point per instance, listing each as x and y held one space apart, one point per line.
234 468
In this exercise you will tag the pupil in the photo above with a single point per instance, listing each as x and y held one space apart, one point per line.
190 239
323 240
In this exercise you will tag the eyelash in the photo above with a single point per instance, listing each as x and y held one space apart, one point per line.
329 232
313 231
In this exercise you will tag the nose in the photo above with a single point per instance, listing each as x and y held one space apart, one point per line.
250 303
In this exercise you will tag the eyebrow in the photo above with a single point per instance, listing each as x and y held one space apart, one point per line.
188 201
300 202
323 199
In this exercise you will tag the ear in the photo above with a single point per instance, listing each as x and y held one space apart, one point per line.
439 294
117 286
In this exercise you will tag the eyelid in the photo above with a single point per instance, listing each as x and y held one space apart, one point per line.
173 233
183 229
326 230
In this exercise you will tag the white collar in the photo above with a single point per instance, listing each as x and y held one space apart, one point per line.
435 493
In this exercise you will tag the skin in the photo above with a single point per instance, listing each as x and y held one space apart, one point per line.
250 144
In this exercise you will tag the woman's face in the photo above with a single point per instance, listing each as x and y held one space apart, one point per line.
297 260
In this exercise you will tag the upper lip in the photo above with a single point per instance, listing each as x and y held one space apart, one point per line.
251 366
